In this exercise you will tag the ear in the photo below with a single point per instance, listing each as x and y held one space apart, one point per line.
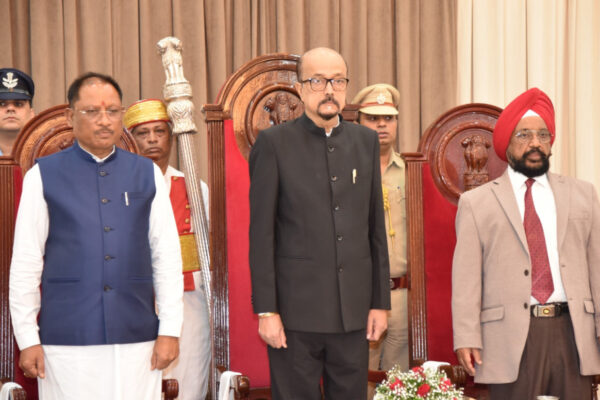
298 87
69 116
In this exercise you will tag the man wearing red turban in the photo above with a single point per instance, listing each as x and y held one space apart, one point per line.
526 268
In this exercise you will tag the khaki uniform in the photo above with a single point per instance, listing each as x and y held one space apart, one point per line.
392 348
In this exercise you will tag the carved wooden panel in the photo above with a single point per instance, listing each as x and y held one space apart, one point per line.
48 133
458 148
260 94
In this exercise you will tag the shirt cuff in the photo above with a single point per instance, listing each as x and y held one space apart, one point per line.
170 328
28 339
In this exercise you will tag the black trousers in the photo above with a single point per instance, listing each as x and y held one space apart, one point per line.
549 365
339 359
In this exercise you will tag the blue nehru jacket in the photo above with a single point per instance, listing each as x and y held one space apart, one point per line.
97 279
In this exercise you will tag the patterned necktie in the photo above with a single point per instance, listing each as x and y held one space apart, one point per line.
541 277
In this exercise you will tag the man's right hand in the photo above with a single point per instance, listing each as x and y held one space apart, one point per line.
271 331
464 358
31 361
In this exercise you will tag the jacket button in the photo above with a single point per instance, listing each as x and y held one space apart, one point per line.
104 200
339 238
187 206
107 288
330 149
107 257
187 220
336 207
340 269
526 272
333 178
107 229
103 173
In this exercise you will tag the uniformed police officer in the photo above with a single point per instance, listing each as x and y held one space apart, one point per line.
16 94
379 111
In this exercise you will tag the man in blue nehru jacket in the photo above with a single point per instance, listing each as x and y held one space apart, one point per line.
95 230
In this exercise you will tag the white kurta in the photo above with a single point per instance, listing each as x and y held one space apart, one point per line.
193 364
120 371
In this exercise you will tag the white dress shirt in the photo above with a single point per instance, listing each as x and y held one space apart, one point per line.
545 207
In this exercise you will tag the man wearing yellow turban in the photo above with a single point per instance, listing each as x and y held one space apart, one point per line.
149 124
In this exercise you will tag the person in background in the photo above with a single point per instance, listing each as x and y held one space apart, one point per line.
150 126
16 95
379 112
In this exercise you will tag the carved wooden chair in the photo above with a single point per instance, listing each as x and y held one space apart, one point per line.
46 133
455 154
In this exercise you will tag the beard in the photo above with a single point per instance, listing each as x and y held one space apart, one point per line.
520 164
328 115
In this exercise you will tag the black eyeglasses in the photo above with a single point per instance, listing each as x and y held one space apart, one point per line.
319 84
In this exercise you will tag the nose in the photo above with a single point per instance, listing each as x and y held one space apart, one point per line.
103 118
535 141
152 138
329 87
381 122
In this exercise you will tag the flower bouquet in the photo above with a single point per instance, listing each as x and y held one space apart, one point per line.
417 384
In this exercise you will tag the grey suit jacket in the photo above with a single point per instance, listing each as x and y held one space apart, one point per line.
491 290
318 247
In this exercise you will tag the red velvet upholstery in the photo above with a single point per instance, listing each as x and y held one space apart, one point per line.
440 239
248 352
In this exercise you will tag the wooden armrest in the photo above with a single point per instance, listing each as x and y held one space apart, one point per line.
18 393
376 376
170 388
239 383
241 387
456 373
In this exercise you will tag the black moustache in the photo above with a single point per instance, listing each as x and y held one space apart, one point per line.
530 152
329 99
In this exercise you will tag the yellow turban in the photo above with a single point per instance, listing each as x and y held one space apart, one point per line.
140 112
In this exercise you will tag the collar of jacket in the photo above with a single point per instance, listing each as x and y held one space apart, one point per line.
87 157
310 126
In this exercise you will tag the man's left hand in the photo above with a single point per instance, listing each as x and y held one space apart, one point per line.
166 349
376 324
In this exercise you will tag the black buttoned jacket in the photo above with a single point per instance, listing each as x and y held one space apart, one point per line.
318 248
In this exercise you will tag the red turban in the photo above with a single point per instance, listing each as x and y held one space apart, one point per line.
533 99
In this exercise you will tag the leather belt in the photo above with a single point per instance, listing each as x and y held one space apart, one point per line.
549 310
399 283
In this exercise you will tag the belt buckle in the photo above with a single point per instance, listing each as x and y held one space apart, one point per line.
391 284
547 310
